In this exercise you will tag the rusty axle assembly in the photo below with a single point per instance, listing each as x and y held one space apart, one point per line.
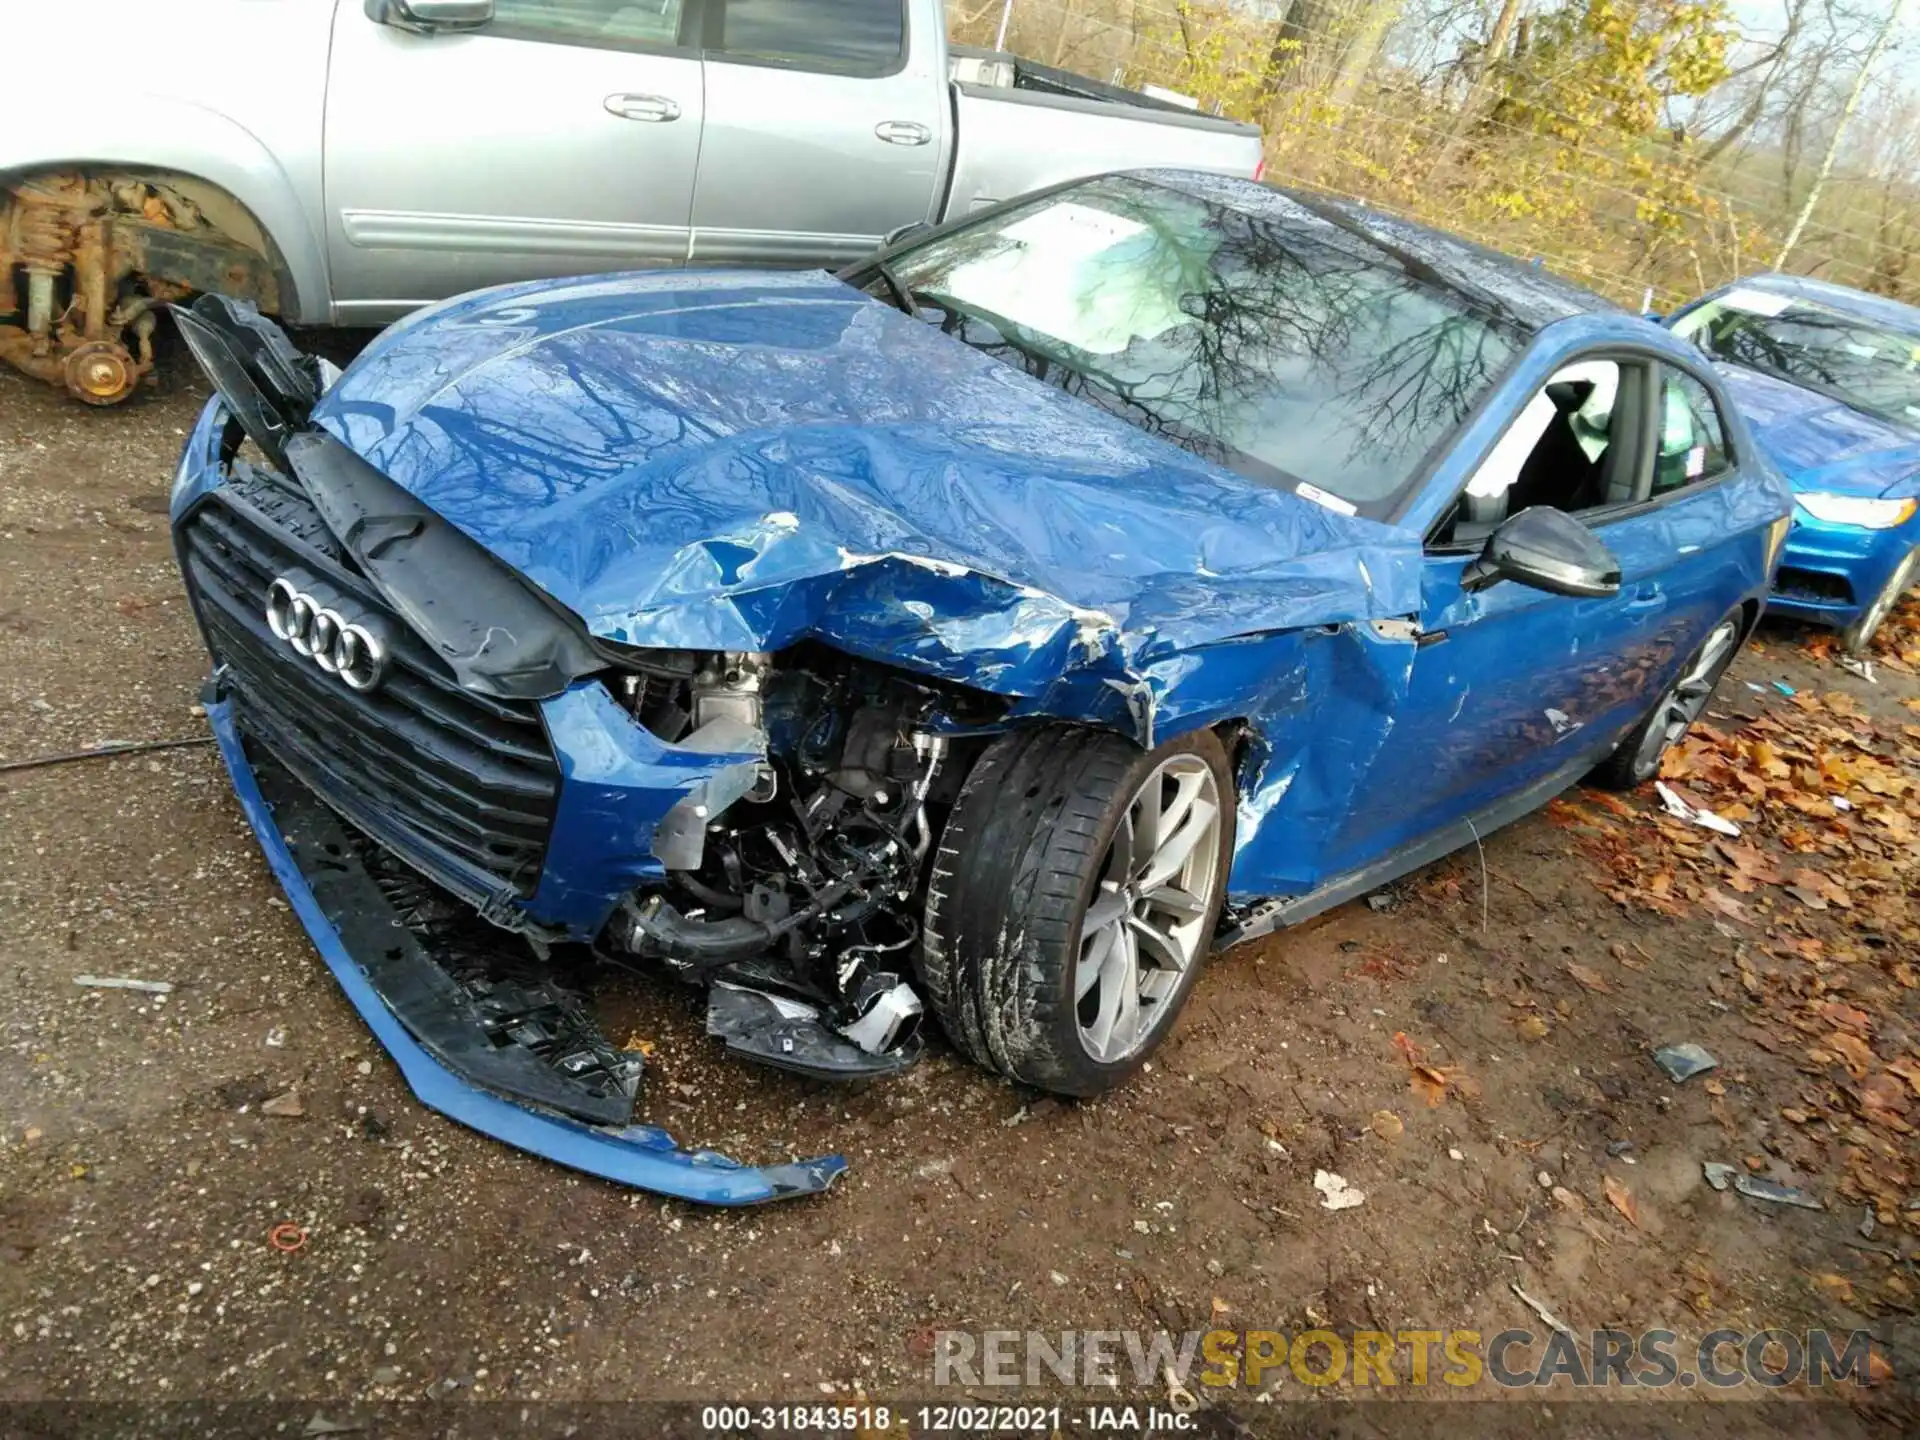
85 259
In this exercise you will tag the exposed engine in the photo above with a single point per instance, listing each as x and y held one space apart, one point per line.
792 884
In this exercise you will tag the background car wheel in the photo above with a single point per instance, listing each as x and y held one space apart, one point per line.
1638 758
1073 900
1858 636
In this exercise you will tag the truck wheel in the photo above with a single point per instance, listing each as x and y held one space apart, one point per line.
1638 758
1856 638
1073 900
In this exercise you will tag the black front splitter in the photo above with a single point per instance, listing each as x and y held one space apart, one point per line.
489 1051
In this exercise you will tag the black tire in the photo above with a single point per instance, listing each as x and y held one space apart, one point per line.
1634 763
1017 867
1857 638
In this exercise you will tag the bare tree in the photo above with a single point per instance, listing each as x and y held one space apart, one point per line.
1839 133
1766 70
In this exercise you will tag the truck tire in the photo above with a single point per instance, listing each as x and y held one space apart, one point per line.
1056 826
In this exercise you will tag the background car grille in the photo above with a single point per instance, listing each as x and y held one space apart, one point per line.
1796 584
463 784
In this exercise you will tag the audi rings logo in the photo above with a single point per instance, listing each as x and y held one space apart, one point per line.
350 646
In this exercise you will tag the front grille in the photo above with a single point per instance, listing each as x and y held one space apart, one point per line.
1793 583
461 784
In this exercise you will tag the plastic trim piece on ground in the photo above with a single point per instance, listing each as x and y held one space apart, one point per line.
639 1155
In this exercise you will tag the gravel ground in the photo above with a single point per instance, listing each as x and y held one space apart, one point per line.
143 1176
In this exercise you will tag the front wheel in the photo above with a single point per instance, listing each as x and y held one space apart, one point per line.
1858 636
1073 900
1638 758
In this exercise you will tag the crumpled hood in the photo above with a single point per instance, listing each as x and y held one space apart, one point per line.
739 461
1820 444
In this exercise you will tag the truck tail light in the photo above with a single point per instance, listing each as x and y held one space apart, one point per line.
1260 170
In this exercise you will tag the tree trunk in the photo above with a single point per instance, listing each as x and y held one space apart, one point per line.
1363 49
1490 55
1295 41
1495 51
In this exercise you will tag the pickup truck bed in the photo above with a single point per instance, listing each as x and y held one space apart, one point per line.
995 157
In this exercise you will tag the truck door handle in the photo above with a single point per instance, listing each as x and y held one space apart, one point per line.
656 108
903 132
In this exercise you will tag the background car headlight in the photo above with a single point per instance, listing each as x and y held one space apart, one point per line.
1857 510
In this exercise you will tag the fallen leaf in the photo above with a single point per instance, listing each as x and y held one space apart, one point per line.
1844 1017
287 1106
1725 903
1838 1286
1854 1052
1908 1070
1532 1027
1430 1083
1621 1199
1589 978
1387 1125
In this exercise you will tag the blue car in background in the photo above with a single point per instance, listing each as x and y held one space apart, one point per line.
994 629
1829 381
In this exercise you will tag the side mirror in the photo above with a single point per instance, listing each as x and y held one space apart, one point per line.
1549 550
424 17
901 232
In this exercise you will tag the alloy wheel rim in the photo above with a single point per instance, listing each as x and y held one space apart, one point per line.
1682 704
1146 926
1896 586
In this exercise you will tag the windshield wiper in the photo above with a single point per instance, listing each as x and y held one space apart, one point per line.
902 296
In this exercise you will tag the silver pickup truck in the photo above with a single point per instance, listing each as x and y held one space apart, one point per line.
343 161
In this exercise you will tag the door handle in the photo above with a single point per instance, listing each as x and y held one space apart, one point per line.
903 132
656 108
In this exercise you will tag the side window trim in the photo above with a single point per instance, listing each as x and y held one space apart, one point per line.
686 44
713 41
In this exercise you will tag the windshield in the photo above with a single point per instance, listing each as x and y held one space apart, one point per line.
1853 361
1282 345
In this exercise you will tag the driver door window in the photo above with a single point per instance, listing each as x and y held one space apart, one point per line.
1573 446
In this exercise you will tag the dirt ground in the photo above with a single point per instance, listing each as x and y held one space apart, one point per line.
141 1177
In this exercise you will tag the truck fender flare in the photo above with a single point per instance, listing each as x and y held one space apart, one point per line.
195 143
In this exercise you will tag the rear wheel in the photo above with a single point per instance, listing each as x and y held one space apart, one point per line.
1638 758
1073 901
1856 638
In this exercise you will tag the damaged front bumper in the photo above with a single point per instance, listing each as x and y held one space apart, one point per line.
333 896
